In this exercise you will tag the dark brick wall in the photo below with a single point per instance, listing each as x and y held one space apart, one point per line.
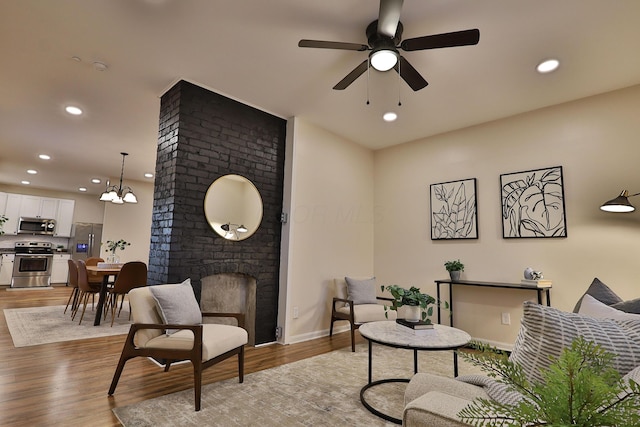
202 137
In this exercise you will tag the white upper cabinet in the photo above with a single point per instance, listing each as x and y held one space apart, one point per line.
38 207
12 212
64 217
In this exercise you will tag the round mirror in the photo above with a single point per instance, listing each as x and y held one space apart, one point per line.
233 207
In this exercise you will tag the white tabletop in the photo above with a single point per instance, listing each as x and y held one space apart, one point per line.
388 333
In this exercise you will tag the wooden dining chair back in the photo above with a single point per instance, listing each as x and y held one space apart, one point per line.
94 261
73 283
132 275
86 289
167 325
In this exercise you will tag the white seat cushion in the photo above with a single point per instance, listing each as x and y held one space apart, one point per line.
364 313
216 339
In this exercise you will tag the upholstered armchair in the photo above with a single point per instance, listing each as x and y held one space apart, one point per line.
355 301
167 325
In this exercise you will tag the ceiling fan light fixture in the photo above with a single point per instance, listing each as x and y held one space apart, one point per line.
389 116
383 59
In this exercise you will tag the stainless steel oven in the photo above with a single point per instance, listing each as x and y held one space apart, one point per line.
32 265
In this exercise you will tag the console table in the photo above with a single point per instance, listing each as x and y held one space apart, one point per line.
540 291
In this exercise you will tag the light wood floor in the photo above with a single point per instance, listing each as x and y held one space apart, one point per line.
65 384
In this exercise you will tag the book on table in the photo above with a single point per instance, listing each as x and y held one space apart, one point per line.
418 328
540 283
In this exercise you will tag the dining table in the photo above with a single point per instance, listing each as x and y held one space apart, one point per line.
105 272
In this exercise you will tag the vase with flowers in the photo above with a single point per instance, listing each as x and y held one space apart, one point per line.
113 246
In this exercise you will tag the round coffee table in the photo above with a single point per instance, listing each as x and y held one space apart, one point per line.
390 334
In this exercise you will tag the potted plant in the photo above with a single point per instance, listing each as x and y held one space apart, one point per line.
454 268
580 388
3 219
113 245
422 303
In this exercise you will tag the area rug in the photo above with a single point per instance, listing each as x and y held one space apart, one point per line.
319 391
44 325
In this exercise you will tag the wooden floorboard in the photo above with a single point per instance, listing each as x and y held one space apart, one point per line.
66 383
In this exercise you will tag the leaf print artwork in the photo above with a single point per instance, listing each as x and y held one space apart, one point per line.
533 204
453 210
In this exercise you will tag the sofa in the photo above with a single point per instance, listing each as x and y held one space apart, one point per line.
600 316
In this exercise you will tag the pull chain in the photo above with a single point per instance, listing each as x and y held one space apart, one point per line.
368 73
399 103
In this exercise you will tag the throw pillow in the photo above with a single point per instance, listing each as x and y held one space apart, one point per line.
177 304
361 291
545 331
631 306
594 308
601 292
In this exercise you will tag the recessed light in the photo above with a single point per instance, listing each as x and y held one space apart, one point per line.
73 110
148 175
32 171
96 181
389 116
82 189
25 182
45 156
547 66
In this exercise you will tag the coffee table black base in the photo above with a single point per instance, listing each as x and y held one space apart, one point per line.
373 410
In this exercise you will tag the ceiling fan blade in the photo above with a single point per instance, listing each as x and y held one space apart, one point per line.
332 45
436 41
352 76
410 75
389 16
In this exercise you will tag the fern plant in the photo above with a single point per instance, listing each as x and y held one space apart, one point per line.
580 388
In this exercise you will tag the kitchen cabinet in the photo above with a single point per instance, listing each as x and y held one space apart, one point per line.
15 206
6 268
12 211
60 268
38 207
64 217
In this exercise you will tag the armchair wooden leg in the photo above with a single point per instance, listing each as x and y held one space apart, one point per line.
241 365
353 338
197 382
331 327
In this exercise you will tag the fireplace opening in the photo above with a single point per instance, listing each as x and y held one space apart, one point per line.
230 293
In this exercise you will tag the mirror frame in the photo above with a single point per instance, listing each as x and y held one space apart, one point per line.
232 202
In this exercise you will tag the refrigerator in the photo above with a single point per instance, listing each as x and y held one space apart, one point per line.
85 240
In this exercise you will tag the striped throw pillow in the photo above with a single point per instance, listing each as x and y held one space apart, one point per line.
545 331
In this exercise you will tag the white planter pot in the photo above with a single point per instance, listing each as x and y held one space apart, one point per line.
412 313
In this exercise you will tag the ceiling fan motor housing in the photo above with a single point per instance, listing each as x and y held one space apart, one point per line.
377 40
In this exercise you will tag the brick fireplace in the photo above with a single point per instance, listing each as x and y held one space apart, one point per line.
203 136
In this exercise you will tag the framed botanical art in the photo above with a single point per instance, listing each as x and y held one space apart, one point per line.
454 212
533 204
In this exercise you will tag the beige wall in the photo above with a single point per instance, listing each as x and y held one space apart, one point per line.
330 225
595 140
131 222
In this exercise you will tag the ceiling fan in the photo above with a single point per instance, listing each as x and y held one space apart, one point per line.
384 37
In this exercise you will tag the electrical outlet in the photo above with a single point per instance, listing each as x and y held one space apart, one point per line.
506 318
295 312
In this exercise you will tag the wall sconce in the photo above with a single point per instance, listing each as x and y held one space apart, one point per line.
620 203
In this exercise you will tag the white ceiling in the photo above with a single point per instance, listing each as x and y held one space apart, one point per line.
247 50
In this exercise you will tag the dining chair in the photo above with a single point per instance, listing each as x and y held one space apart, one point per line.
93 261
132 275
72 281
167 325
86 289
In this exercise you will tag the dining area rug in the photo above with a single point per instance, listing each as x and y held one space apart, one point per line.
319 391
44 325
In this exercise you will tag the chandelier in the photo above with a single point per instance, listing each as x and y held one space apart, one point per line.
119 194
